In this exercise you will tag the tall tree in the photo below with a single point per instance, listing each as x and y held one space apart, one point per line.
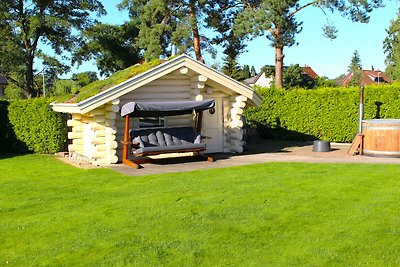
112 46
166 23
391 46
355 63
84 78
221 16
233 69
253 71
55 23
355 68
246 71
277 20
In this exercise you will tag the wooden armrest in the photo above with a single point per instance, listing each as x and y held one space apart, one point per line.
126 143
205 137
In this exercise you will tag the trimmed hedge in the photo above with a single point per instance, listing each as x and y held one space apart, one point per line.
37 125
324 113
8 141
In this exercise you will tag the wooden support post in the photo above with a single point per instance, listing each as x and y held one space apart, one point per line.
206 157
199 120
125 150
357 144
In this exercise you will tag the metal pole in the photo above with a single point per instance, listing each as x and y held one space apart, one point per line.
378 77
361 109
44 87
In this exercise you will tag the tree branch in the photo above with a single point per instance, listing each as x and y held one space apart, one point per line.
302 7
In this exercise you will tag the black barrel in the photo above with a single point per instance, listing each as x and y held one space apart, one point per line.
321 146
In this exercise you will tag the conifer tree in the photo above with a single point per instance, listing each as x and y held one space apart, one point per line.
391 46
276 19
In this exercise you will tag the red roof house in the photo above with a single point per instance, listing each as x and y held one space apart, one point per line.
368 77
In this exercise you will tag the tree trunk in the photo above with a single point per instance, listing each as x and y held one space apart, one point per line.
279 67
29 93
195 31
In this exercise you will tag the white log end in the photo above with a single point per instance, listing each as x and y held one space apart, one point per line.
75 135
111 115
199 78
238 149
183 71
74 148
236 124
76 116
235 117
77 141
99 140
241 98
110 123
236 111
74 122
115 101
199 98
96 126
239 104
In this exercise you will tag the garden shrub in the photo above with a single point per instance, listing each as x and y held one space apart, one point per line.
8 141
37 125
323 113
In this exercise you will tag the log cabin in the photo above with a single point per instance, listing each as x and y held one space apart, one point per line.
96 127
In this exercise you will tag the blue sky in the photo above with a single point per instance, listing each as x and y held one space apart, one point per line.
327 57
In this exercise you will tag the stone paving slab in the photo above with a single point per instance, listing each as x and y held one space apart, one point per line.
338 154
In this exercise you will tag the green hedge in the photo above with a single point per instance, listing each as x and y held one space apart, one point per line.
324 113
37 125
8 141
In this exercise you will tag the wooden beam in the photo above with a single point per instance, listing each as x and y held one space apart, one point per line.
199 120
357 144
126 142
130 163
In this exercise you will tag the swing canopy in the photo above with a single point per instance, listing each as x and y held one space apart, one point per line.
168 108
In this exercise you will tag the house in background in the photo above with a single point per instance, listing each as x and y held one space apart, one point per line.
310 72
3 84
368 77
259 80
97 128
263 80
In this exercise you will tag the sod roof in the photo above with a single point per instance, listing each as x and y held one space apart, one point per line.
116 78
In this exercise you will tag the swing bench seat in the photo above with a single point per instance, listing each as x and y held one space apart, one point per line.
157 141
166 140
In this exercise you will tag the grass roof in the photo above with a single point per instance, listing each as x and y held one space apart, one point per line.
117 78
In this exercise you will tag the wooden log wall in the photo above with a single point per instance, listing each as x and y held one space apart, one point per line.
233 123
94 134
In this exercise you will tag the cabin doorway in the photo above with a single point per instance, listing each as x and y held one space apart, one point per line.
213 127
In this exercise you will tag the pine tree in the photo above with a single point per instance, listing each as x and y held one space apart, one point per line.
253 71
356 69
391 46
246 71
172 22
277 20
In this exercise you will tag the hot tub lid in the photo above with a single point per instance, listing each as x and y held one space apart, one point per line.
383 121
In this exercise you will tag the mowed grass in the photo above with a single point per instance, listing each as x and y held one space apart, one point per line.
279 214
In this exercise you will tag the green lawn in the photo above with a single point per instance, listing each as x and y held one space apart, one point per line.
279 214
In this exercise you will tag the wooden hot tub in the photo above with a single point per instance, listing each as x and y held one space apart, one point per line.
381 137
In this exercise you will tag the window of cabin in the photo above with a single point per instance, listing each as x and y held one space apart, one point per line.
150 122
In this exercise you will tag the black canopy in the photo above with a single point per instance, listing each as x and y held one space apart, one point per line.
170 108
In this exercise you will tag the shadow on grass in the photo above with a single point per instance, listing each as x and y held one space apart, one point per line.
9 155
